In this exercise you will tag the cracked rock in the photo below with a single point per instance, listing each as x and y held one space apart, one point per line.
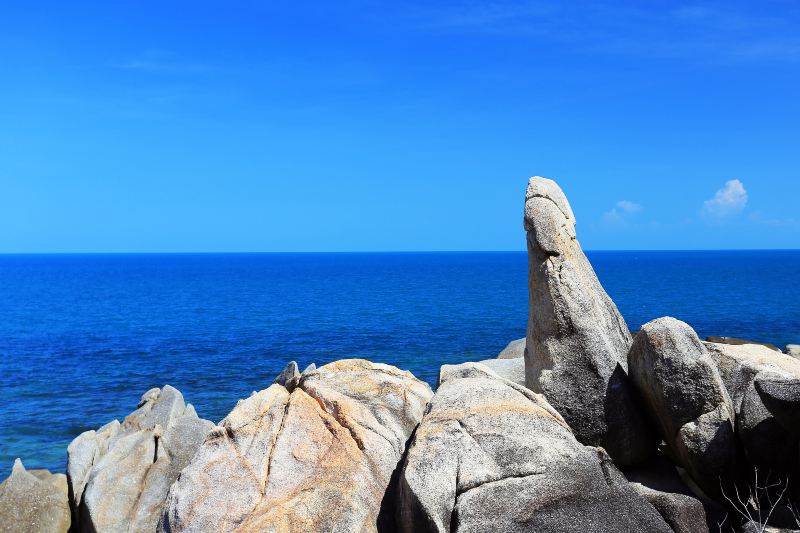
317 458
577 341
120 474
685 395
765 388
491 455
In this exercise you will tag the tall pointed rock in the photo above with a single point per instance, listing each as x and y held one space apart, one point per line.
577 341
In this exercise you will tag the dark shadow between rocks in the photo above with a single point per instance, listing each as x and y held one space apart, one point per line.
389 510
632 438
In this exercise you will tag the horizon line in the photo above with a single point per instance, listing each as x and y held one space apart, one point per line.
332 252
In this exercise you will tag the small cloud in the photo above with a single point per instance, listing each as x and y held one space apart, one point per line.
621 211
728 201
628 207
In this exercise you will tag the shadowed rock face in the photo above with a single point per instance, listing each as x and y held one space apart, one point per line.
316 457
34 500
660 483
765 387
491 455
120 474
686 396
577 341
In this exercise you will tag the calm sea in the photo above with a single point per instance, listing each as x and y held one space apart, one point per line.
83 336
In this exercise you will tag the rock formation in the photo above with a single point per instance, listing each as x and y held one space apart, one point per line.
120 474
513 350
659 482
733 341
577 340
316 457
765 388
491 455
34 501
685 395
510 369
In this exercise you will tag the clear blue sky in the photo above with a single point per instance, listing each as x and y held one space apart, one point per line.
369 125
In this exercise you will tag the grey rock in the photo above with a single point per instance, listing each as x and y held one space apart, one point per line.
318 458
684 514
491 455
119 475
513 350
510 369
290 371
781 397
793 350
660 483
34 501
577 341
765 388
685 395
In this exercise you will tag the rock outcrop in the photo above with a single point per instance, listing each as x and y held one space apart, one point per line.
659 482
491 455
318 456
793 350
733 341
577 340
765 388
513 350
686 397
34 501
120 474
510 369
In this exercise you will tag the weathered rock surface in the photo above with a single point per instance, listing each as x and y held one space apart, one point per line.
793 350
513 350
765 387
34 501
319 457
120 474
510 369
733 341
491 455
686 397
577 341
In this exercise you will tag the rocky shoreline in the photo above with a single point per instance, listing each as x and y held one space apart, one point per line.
582 426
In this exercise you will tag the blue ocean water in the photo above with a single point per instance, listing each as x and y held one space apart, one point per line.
83 336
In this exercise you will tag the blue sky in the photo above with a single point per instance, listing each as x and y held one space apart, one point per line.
367 125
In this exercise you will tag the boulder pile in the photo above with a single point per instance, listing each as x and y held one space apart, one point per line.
578 427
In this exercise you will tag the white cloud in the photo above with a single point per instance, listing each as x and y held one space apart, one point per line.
728 201
619 213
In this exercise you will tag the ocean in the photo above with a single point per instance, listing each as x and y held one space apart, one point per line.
82 337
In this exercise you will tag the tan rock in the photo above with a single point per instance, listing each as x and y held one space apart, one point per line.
34 501
318 457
